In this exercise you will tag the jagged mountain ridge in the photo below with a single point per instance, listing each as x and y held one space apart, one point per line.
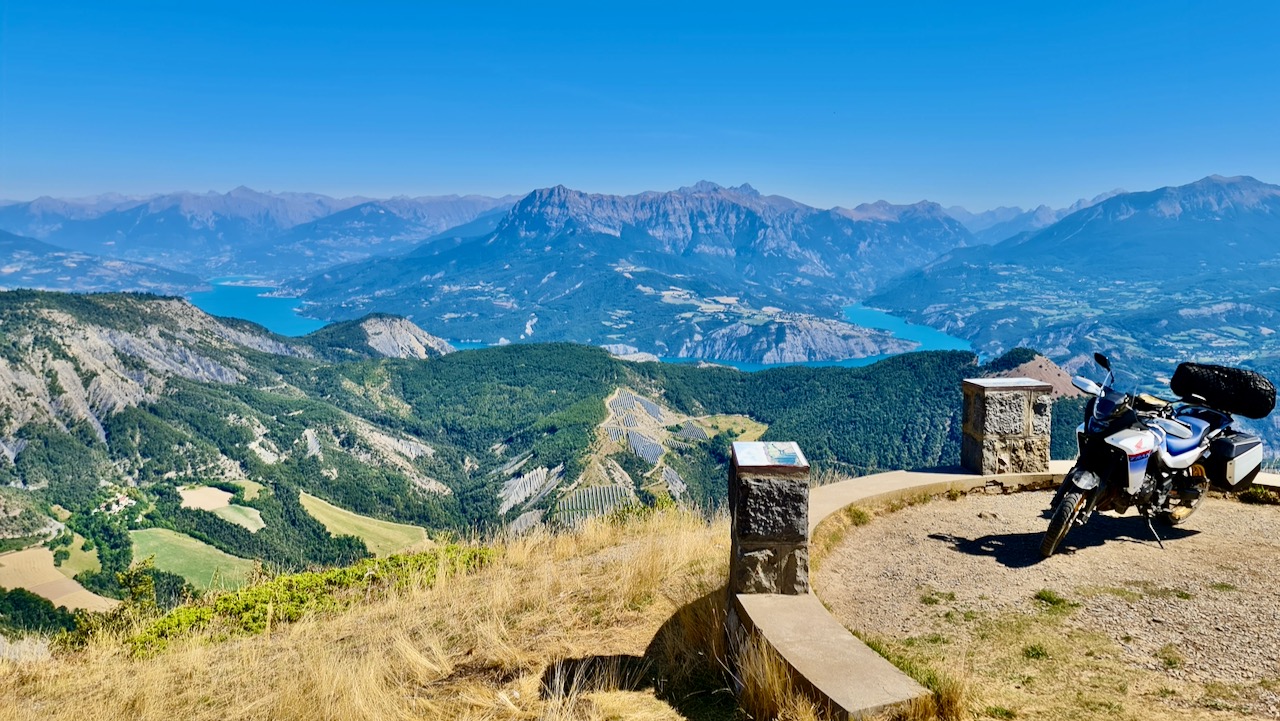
662 271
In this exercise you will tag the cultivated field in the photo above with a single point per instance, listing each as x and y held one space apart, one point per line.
205 498
33 570
218 502
203 565
383 538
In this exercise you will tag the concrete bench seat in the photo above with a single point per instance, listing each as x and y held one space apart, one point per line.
839 669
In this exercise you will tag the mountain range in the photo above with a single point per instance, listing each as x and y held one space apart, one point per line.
1152 278
997 224
704 271
242 231
30 263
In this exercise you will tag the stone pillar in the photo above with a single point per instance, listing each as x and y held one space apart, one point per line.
1007 425
769 509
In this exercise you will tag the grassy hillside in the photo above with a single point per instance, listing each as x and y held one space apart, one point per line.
639 595
119 401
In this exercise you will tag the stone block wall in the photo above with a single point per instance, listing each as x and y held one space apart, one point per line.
1007 425
769 509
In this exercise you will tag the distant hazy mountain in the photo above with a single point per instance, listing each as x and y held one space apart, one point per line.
30 263
382 227
993 226
702 271
1153 278
242 231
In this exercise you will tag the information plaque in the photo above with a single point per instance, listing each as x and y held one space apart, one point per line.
769 454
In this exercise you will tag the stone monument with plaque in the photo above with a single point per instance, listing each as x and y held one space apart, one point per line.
769 508
1007 425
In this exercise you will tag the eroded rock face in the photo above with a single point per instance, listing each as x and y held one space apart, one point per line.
401 338
793 340
62 370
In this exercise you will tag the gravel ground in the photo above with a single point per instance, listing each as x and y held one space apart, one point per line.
1211 592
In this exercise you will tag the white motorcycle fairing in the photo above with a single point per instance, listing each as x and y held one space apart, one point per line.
1138 447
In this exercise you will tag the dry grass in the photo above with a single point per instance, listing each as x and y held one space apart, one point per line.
768 686
612 621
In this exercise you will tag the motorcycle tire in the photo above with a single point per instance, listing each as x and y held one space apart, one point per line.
1181 513
1064 514
1237 391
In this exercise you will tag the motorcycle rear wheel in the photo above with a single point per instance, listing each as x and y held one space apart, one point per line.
1181 513
1064 514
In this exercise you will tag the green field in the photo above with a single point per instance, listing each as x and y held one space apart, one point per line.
746 428
383 538
250 518
203 565
251 489
80 560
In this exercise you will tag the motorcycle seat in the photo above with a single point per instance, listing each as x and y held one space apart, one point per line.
1148 402
1183 434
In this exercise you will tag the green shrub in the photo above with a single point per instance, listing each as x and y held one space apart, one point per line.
286 599
1260 495
1053 600
1035 652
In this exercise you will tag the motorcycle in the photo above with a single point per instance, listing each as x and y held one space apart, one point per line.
1160 456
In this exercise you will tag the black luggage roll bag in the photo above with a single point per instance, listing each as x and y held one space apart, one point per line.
1238 391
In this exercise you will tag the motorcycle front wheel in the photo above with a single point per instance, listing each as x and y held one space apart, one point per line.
1064 514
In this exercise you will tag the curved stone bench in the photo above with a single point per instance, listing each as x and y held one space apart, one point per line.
852 680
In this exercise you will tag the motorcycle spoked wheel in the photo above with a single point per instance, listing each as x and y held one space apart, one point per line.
1064 514
1180 513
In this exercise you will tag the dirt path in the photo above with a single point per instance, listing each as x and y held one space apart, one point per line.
1211 597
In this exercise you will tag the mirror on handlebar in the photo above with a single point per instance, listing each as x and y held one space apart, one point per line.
1102 361
1086 385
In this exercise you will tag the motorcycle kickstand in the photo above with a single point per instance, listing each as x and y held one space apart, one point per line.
1159 543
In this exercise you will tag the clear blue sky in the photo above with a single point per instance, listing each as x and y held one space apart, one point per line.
978 104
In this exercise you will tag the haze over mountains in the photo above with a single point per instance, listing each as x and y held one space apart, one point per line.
242 231
993 226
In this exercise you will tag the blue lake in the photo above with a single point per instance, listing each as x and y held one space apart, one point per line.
246 301
281 316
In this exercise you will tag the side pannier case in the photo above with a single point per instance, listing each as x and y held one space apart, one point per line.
1234 461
